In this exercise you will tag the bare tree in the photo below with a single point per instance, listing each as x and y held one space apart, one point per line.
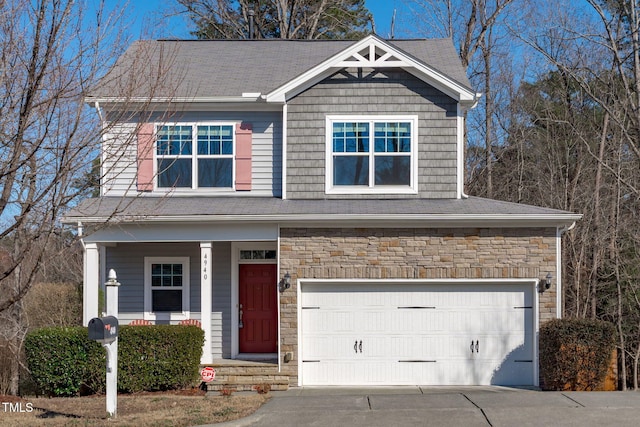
52 53
283 19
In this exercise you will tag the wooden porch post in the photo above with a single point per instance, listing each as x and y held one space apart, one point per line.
206 272
91 282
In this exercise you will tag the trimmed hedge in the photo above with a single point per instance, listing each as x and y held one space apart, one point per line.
159 357
58 358
64 362
575 353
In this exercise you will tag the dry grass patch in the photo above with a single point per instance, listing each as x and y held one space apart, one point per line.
154 409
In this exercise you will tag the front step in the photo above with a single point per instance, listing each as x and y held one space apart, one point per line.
243 375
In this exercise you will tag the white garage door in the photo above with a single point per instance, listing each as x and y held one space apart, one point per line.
416 334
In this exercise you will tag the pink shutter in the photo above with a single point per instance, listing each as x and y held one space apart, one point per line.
243 156
145 157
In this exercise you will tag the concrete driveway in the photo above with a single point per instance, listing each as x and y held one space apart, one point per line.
444 406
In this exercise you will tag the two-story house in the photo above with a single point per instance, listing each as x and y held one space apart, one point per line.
304 201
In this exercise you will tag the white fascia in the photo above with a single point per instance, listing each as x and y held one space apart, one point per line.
246 97
340 60
380 219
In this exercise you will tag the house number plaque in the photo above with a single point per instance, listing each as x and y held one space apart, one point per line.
205 262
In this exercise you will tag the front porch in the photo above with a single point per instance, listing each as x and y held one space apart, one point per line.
212 282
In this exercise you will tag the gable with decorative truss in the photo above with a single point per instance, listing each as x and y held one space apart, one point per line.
374 52
374 56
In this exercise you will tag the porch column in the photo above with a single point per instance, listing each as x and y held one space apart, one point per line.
91 282
206 273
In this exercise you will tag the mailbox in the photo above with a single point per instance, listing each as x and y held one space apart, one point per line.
103 329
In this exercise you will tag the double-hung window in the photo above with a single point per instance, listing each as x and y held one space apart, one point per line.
195 156
167 286
371 154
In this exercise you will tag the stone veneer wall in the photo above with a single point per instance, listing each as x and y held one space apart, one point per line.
410 253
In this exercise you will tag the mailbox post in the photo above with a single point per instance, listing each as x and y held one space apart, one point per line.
105 331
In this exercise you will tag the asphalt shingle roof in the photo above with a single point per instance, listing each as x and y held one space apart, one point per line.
218 68
142 209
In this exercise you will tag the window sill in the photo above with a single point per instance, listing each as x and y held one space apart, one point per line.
170 316
370 190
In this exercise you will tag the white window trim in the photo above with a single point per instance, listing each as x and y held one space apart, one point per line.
412 188
174 315
194 160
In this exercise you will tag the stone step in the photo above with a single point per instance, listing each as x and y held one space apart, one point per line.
246 376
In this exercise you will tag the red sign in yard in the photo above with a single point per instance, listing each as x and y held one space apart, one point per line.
208 374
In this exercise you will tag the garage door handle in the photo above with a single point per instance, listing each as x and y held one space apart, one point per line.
477 347
360 346
471 346
355 346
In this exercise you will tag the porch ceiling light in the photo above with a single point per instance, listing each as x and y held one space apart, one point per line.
285 282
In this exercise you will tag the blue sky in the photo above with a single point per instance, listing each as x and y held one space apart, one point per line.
146 17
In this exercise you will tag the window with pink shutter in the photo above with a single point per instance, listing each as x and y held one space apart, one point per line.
204 156
243 156
145 157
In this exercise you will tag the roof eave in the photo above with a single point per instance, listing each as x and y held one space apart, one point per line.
431 220
164 100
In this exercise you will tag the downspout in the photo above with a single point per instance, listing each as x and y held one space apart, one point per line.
559 233
283 184
99 111
80 234
461 143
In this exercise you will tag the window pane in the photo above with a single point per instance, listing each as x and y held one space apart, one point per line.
393 170
393 137
270 254
177 269
174 140
215 172
166 300
156 268
351 137
245 254
350 170
174 173
215 140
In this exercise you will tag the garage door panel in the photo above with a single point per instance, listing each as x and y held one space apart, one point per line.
417 334
338 321
417 320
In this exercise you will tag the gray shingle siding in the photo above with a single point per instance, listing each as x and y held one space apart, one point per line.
390 91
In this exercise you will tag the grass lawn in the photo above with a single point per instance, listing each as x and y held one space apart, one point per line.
146 409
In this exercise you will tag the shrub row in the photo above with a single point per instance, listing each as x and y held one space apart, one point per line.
575 353
64 362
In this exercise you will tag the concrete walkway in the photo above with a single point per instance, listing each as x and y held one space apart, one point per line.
444 406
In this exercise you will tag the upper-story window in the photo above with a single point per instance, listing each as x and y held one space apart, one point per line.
371 154
195 156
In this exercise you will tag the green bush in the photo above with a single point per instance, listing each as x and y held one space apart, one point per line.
58 359
159 357
575 353
64 362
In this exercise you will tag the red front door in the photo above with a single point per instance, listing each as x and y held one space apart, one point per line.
259 316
